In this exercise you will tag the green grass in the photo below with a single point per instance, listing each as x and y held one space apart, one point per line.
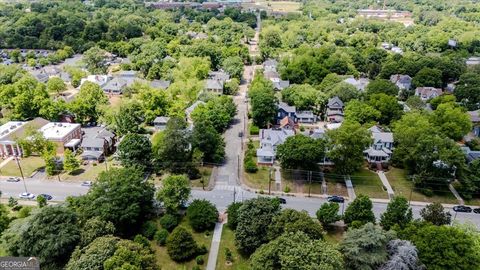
402 186
334 236
163 259
28 165
88 172
205 175
228 241
368 183
258 180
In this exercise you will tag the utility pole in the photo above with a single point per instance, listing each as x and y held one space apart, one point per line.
309 182
106 165
234 194
21 173
269 180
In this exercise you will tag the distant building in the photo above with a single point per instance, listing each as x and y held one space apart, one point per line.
214 86
160 84
403 82
270 65
382 146
269 140
160 123
115 86
306 117
285 110
64 135
13 130
360 84
427 93
100 80
270 73
473 61
97 143
335 110
475 118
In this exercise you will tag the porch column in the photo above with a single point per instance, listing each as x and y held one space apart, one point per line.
5 152
19 152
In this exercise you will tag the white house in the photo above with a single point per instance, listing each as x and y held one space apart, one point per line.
269 140
360 84
426 93
381 148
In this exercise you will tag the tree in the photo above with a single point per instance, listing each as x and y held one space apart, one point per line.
219 111
361 112
434 102
52 235
263 100
435 214
415 103
135 150
180 245
398 213
452 121
41 201
87 103
388 107
128 119
70 162
381 86
233 65
233 211
131 255
344 91
202 215
253 219
175 192
206 139
300 152
402 255
95 228
291 221
302 96
359 210
467 90
442 247
431 77
328 213
171 150
349 141
94 255
4 218
295 250
366 247
56 85
95 60
120 196
231 87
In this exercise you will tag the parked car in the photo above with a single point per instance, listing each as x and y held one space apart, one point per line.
26 195
335 198
462 208
87 184
46 196
476 210
282 200
13 179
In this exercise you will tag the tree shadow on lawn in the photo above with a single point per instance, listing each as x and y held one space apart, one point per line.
77 172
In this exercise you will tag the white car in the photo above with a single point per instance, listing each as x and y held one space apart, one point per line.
13 179
87 184
26 195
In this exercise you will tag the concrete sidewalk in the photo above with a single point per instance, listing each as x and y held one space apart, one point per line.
350 189
212 256
386 184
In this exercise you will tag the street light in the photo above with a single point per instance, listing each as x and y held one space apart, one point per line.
21 173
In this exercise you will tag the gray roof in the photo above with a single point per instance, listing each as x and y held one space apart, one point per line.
270 63
375 153
275 136
95 154
382 137
219 75
161 119
214 84
335 102
474 116
65 77
160 84
127 73
265 152
305 114
280 85
192 107
93 142
284 106
271 74
97 132
115 84
400 78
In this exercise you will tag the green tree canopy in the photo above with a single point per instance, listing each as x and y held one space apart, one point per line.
94 255
431 77
381 86
302 96
435 214
263 101
175 192
131 255
388 107
95 59
398 213
180 245
202 215
452 121
291 221
361 112
87 103
328 213
359 210
467 90
135 150
206 139
301 152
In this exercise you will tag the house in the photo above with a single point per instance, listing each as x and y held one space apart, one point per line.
287 123
214 86
473 61
269 140
97 143
219 75
475 118
115 86
306 117
381 148
160 84
470 155
40 76
189 110
427 93
280 84
64 135
285 110
335 110
270 65
96 79
360 84
403 82
318 133
13 130
160 123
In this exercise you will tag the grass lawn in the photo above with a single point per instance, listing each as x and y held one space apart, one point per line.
163 259
228 241
403 187
473 201
334 236
205 172
285 6
368 183
87 172
28 164
258 180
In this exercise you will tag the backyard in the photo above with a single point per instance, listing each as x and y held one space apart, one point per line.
367 182
29 165
402 186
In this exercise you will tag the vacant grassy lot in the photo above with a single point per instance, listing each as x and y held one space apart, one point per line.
28 165
259 180
368 183
166 263
88 172
205 173
404 187
275 6
228 241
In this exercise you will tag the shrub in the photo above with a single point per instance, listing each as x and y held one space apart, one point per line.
199 260
250 165
12 202
232 211
427 192
286 189
202 250
142 240
169 222
161 237
254 130
17 208
228 255
180 245
24 212
202 215
149 229
196 267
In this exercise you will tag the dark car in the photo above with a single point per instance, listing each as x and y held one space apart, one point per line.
462 208
13 179
337 199
476 210
46 196
282 200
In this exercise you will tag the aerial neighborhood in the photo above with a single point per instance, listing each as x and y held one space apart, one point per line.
240 134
